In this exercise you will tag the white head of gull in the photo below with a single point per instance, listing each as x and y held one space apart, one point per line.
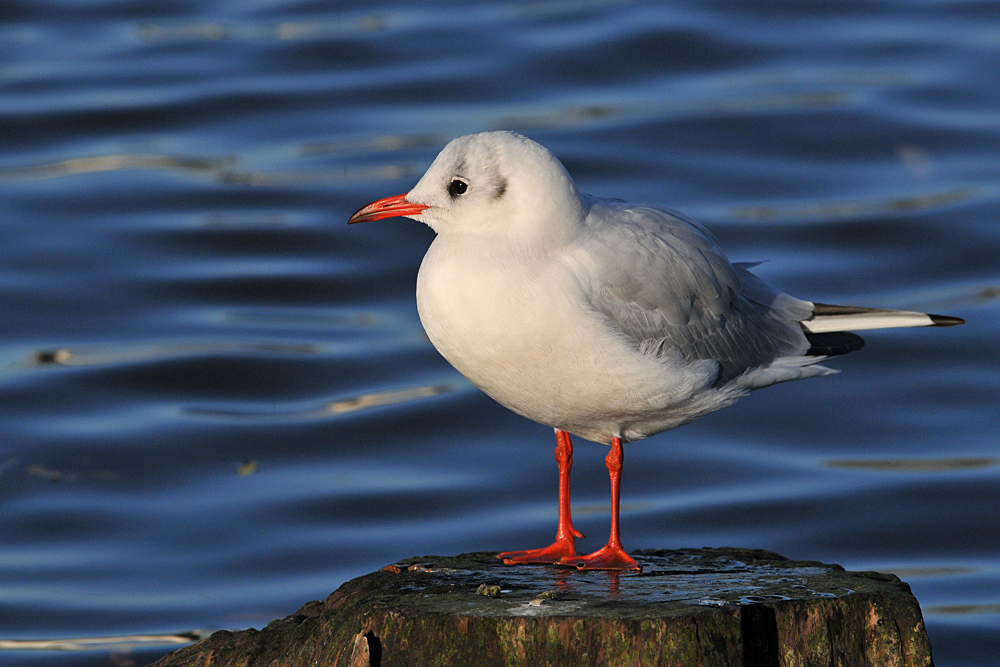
608 320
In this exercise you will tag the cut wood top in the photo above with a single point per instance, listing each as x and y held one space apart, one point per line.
671 582
708 607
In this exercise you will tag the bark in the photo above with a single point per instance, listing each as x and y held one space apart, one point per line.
704 607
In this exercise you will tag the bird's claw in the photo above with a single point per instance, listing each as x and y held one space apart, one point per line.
606 558
550 555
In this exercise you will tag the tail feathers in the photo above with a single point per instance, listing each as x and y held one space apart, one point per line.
833 343
827 318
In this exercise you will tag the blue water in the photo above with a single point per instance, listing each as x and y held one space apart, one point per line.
217 399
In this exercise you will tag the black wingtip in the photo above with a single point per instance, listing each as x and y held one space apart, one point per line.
945 320
832 343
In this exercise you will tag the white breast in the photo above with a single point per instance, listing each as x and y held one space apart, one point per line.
528 338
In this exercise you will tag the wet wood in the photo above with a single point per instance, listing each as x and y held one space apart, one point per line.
708 607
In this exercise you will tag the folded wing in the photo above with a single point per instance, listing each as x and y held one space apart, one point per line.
663 282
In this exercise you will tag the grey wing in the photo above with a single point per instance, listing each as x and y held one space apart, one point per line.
664 283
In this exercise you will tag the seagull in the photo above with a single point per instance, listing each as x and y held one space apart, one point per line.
600 318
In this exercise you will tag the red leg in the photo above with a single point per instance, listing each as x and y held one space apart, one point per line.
611 556
565 533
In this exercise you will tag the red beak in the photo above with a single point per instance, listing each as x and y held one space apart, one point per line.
389 207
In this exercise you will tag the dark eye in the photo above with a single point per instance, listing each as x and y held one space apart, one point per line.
457 187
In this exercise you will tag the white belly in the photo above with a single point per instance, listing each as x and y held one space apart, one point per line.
528 340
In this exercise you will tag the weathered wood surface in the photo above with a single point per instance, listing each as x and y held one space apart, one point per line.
706 607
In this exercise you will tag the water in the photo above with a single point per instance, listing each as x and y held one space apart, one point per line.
217 399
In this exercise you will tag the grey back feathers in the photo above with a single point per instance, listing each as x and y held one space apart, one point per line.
666 285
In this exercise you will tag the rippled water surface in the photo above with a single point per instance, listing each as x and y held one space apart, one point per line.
218 402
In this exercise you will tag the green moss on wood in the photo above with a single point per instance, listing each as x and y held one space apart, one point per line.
687 608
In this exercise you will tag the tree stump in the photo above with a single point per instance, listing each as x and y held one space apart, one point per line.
706 607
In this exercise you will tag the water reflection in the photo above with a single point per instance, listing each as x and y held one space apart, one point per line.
103 355
683 106
916 161
354 404
120 642
119 162
216 169
380 143
915 464
939 571
812 212
380 398
337 27
61 475
307 319
963 609
550 8
934 298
